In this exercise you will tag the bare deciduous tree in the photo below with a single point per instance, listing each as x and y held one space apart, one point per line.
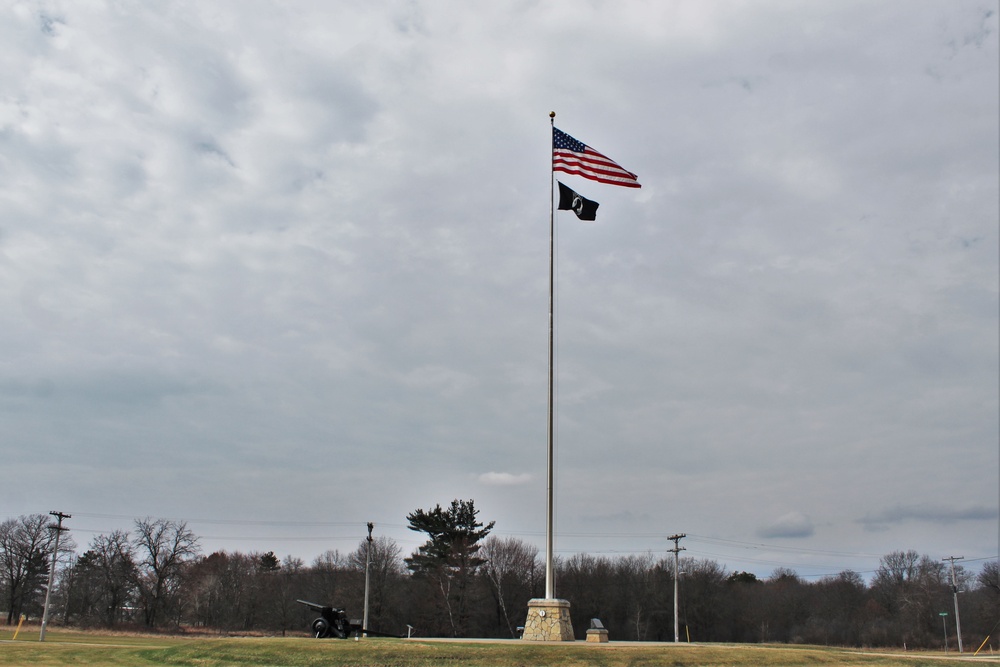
510 566
385 570
162 548
115 563
25 548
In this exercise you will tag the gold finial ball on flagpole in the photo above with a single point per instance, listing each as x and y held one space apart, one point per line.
552 114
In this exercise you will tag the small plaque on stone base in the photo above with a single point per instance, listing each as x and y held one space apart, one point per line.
597 632
548 621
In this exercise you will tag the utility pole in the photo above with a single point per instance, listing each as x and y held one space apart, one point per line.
52 570
676 551
368 563
954 589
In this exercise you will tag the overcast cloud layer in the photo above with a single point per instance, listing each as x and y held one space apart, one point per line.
281 269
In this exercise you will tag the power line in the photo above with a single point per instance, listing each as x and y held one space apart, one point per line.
778 547
225 522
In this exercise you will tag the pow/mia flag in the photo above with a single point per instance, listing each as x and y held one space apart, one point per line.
585 209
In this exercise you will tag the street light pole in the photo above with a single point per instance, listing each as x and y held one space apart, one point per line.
368 563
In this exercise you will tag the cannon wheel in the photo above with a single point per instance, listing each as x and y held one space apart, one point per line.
320 628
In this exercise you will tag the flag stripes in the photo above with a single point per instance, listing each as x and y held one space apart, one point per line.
572 156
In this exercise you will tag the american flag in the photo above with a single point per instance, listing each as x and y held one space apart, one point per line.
575 157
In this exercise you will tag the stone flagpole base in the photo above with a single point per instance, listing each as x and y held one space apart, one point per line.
548 621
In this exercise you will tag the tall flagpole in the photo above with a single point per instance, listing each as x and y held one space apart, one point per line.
548 618
549 579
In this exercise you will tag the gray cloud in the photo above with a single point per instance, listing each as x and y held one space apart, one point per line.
793 524
505 478
927 514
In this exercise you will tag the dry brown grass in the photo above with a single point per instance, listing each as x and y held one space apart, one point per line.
135 649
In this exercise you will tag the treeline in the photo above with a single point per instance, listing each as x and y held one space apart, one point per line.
156 577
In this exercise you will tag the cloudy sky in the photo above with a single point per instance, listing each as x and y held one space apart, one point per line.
281 269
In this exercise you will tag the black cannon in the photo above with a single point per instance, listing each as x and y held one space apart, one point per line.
333 622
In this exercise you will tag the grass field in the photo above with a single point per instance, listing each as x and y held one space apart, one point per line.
95 649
